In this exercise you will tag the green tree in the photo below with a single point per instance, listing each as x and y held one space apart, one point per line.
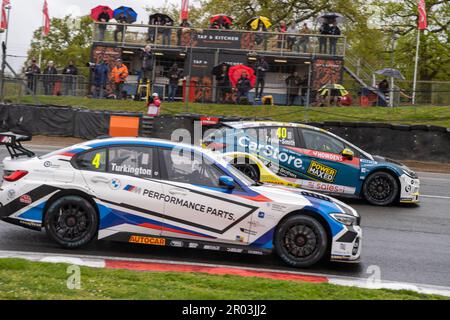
69 39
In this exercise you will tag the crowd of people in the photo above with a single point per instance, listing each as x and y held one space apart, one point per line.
50 77
296 86
297 38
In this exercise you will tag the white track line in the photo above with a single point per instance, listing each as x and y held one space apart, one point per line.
99 262
430 196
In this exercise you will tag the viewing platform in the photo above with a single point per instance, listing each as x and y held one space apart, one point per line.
183 39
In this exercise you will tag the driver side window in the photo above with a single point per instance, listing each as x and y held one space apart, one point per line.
189 167
322 142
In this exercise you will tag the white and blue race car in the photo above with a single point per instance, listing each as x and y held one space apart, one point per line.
157 192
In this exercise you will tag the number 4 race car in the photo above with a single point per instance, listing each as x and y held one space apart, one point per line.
157 192
307 157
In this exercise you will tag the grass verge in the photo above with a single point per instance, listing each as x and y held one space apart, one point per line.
21 279
432 115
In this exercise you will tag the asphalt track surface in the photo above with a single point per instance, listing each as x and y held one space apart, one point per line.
408 243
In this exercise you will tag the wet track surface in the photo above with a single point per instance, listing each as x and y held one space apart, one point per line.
408 243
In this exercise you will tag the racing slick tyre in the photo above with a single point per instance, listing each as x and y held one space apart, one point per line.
301 241
71 221
250 170
381 188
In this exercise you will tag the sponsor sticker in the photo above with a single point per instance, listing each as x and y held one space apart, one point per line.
193 245
210 247
248 231
25 199
322 171
131 188
147 240
174 243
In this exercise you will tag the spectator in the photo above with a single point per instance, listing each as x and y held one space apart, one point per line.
120 27
334 31
282 28
49 78
158 22
183 24
383 86
174 76
304 90
303 41
101 72
223 84
323 40
293 83
154 106
261 68
119 75
103 18
243 87
260 36
147 64
167 32
31 72
291 38
70 72
151 31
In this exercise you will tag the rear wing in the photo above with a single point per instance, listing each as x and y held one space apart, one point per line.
12 141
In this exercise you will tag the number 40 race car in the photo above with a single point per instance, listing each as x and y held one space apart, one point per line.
307 157
157 192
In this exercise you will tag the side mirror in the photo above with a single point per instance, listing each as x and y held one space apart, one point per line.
227 182
348 154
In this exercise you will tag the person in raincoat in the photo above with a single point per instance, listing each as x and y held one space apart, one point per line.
323 40
119 75
154 105
120 28
243 87
293 83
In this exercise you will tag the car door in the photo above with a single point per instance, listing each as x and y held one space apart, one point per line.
120 177
324 164
196 206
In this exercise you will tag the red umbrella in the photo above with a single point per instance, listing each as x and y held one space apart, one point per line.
235 72
99 9
221 18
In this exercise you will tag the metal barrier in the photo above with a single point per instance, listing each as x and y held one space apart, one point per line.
57 85
297 44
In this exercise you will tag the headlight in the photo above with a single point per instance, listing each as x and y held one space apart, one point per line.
410 173
345 219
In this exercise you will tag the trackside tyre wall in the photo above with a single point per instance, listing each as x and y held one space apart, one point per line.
380 178
68 208
301 241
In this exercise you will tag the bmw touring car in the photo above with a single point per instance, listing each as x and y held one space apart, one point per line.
157 192
312 158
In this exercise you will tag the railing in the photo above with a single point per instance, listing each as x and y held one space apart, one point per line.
284 44
56 85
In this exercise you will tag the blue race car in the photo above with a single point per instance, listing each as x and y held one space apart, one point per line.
311 158
156 192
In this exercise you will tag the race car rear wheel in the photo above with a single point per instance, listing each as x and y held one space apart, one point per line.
301 241
250 170
71 221
381 188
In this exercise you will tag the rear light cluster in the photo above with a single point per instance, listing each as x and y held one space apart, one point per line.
12 176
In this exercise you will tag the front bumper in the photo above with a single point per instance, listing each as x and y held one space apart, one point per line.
409 189
347 244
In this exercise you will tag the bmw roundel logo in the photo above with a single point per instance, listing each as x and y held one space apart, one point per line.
115 184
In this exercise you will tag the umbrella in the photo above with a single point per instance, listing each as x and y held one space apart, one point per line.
331 16
328 87
255 21
216 69
235 72
163 16
389 72
129 13
222 19
95 12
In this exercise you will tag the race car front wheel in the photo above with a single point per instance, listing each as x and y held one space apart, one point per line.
71 221
301 241
381 188
250 170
